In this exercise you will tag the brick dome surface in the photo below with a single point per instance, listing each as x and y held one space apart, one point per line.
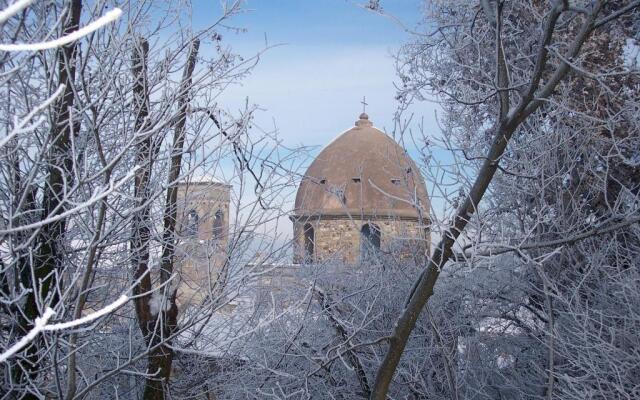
363 172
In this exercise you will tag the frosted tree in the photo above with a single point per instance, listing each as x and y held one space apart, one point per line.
101 124
539 101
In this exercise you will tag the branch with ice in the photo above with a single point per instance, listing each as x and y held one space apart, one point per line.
52 44
13 9
97 196
20 125
41 325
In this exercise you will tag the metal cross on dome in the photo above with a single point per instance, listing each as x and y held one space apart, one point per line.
364 104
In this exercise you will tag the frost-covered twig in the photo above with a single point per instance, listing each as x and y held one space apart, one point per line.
52 44
13 9
41 325
113 186
19 126
93 316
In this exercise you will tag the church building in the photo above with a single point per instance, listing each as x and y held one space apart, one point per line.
363 196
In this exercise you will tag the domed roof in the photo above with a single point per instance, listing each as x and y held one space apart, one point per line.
363 172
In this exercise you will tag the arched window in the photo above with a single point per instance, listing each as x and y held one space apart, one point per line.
218 224
193 222
369 241
309 243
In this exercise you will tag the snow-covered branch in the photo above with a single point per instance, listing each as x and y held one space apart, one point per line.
41 325
107 18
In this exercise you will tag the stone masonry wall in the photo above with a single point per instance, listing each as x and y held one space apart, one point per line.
339 239
200 258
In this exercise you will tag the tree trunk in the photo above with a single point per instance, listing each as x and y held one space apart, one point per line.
141 220
49 254
509 120
157 329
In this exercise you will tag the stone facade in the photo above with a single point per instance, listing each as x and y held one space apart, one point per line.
210 202
203 239
362 197
341 239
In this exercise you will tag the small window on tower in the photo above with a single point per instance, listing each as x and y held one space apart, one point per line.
218 224
339 192
323 181
356 179
396 181
193 221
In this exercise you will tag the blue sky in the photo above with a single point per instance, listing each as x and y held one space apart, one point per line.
330 54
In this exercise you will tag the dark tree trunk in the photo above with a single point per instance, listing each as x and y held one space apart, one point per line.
508 122
140 233
49 252
157 328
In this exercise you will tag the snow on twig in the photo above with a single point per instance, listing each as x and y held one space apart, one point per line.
41 325
20 125
13 9
73 36
38 327
97 196
88 318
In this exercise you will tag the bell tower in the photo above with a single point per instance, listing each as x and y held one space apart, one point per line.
203 238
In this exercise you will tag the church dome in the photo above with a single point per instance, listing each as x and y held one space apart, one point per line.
363 172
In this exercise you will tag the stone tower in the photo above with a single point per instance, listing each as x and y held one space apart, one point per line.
361 197
203 237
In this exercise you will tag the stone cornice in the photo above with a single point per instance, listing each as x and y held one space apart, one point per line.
343 214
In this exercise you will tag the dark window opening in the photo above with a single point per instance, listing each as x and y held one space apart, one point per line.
396 181
193 222
369 241
323 181
356 180
408 170
218 224
309 244
340 194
